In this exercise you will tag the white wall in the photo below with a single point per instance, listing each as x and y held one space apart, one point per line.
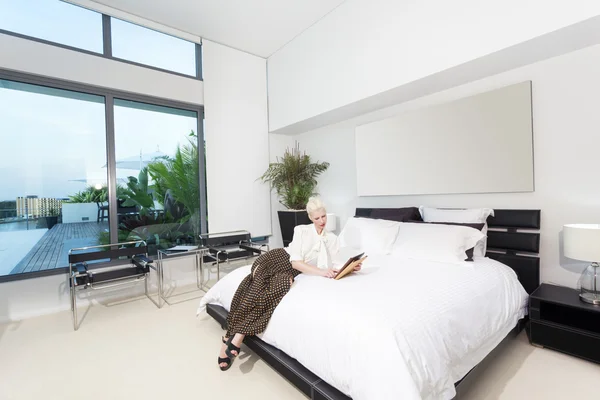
367 47
237 140
565 124
46 60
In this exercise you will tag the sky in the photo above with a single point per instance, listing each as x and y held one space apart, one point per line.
49 142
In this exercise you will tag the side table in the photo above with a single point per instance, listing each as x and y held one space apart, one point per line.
562 322
181 251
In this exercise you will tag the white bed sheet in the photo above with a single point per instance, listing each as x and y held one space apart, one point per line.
404 329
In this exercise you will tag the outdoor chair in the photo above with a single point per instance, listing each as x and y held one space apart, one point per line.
102 211
123 212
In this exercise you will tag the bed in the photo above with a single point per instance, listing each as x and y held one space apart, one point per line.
400 329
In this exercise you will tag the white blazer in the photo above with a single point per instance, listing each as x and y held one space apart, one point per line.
314 249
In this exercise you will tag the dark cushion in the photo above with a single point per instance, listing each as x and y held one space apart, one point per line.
397 214
478 226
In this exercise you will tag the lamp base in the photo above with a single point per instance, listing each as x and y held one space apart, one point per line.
590 298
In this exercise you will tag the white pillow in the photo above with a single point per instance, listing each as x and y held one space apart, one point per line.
473 215
433 242
373 236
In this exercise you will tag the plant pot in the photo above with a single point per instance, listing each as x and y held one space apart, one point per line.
79 212
288 219
51 221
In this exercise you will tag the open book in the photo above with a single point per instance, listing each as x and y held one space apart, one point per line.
349 266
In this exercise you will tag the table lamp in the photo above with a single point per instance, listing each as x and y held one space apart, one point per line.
582 242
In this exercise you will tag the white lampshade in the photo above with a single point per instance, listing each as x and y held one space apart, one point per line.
582 242
331 223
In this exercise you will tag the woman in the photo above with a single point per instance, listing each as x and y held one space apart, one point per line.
310 252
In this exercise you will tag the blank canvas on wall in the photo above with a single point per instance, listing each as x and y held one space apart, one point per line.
477 144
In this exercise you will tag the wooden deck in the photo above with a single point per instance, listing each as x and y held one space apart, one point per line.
52 249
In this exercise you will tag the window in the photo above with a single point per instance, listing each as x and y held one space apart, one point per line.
142 45
77 28
54 21
52 175
156 151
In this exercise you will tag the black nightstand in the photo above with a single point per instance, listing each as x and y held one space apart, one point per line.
560 321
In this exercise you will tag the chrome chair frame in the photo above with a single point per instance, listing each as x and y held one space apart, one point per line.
110 283
243 244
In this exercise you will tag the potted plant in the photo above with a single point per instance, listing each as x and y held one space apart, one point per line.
294 178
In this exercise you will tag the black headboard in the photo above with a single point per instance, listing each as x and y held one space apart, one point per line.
512 240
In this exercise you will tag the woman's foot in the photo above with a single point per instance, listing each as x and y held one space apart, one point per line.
224 360
233 345
238 339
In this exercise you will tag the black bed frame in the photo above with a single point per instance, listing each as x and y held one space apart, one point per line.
506 243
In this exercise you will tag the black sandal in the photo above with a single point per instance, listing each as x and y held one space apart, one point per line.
225 360
230 347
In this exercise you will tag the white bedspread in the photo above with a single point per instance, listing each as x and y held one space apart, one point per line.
399 329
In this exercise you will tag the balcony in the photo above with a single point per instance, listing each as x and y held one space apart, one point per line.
33 239
51 250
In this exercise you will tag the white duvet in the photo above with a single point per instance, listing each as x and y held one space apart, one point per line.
399 329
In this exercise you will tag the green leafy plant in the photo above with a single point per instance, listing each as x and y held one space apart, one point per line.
175 186
179 177
159 231
294 177
136 193
89 195
94 195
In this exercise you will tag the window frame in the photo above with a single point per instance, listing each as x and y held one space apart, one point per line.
109 95
107 47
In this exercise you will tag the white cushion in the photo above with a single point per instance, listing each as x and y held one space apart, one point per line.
433 242
475 215
373 236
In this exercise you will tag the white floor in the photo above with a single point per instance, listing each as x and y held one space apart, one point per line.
132 350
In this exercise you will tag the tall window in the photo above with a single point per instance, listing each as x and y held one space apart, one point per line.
53 175
54 186
54 21
156 152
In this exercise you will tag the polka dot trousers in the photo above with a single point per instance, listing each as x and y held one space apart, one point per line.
260 292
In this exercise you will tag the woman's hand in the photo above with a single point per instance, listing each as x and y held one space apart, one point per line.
312 270
357 267
329 273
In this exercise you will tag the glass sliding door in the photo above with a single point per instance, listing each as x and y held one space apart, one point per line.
53 175
158 175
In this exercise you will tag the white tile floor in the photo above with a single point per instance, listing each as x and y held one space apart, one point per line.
133 350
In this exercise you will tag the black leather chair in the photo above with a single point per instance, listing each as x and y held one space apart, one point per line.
108 266
229 246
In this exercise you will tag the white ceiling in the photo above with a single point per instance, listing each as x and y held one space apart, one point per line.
258 27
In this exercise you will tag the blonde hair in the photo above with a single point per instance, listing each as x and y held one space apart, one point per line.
314 204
